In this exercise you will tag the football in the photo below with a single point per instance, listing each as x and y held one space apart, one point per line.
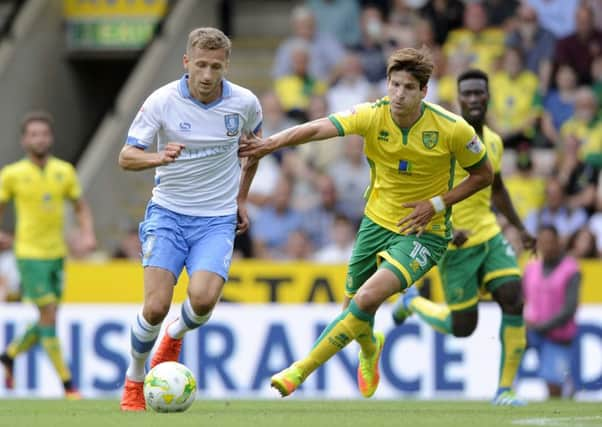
169 387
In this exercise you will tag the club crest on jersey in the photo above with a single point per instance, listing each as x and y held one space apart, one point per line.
231 121
430 138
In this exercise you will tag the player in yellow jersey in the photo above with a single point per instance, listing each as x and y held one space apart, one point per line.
479 257
412 147
38 185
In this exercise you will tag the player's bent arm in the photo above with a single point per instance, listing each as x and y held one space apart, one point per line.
479 177
249 168
315 130
135 159
503 203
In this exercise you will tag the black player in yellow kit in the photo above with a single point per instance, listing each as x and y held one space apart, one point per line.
479 257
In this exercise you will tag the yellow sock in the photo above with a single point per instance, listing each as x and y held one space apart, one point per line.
436 315
513 340
24 342
351 324
52 347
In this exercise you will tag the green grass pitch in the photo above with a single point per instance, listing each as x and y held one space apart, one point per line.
307 413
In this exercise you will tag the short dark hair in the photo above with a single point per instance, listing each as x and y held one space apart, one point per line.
37 116
474 73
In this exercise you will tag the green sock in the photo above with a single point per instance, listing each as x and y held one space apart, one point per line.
51 345
513 340
436 315
351 324
24 342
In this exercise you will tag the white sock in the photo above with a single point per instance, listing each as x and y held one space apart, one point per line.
187 321
143 337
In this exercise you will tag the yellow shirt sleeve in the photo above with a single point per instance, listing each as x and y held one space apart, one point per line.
499 145
73 190
467 147
6 186
355 121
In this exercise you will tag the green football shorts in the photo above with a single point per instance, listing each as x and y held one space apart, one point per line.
409 257
41 280
484 267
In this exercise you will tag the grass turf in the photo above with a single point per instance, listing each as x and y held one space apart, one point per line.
292 413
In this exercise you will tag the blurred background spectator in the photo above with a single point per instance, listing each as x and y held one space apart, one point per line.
342 238
526 188
275 221
515 101
551 291
535 43
338 18
324 51
556 16
556 213
581 47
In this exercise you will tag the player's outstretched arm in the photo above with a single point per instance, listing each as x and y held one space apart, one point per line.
316 130
134 159
503 203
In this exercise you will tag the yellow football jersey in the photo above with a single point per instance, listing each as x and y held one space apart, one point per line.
514 101
474 213
527 193
409 165
39 196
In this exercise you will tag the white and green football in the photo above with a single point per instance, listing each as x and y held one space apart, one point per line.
169 387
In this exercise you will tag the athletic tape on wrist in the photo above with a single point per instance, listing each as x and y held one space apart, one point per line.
438 204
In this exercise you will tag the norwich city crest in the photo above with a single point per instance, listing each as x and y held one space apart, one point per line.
430 138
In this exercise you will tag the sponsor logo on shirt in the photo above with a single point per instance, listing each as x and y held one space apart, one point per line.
185 126
405 167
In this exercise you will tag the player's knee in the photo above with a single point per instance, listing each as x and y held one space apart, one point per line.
203 303
464 324
155 311
368 299
510 298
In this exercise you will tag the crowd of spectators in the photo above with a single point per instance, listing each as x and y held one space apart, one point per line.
544 59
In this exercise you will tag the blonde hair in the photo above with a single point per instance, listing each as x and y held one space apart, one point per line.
417 62
208 38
